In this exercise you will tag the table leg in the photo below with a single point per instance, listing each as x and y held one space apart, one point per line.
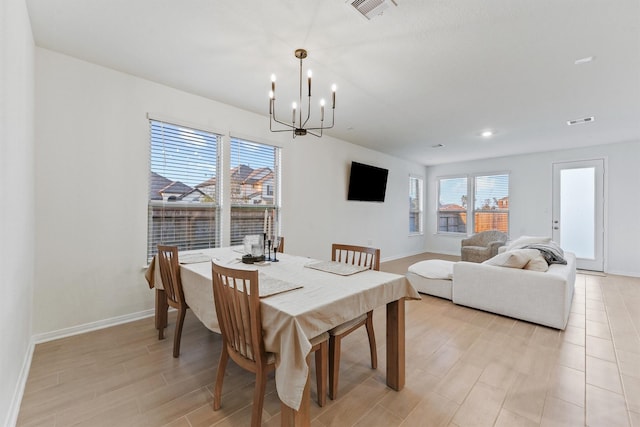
161 310
289 417
396 345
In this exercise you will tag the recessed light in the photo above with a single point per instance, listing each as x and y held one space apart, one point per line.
487 134
437 146
584 60
581 121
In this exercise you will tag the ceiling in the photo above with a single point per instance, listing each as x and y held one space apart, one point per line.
421 74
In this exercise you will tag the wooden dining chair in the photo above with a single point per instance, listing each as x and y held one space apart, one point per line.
360 256
281 247
170 275
240 322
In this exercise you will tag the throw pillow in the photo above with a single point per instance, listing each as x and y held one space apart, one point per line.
538 263
527 240
517 258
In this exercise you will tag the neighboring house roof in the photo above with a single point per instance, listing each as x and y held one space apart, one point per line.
247 175
258 175
160 185
240 173
194 195
243 174
208 183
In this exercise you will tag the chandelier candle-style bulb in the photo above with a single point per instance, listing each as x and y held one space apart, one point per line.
270 102
333 94
304 123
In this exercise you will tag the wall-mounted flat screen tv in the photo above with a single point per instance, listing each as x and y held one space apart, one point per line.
367 183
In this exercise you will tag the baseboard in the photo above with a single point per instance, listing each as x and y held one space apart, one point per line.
14 408
395 257
623 273
93 326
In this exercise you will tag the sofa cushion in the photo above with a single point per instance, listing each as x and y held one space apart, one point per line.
433 269
517 258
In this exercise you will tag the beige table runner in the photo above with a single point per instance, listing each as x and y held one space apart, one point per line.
336 267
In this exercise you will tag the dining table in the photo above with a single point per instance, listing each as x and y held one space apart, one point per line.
301 298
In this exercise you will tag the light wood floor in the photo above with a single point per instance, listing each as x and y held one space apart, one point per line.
464 367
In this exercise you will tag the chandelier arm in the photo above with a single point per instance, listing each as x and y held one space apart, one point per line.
280 130
322 126
284 124
273 115
319 128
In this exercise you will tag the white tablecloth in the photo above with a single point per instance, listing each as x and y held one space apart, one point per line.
291 318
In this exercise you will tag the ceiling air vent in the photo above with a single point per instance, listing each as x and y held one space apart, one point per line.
580 121
371 8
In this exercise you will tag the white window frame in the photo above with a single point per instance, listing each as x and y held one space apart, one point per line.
417 208
471 210
272 189
494 211
438 210
188 237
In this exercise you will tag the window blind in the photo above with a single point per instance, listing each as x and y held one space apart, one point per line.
452 205
415 205
491 203
183 188
254 182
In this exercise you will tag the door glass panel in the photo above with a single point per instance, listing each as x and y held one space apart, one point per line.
577 192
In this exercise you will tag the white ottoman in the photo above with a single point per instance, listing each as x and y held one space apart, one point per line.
433 277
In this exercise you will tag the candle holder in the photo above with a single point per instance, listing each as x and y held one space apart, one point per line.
269 249
276 245
264 243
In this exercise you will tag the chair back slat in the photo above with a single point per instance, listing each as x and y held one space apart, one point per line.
356 255
235 293
170 274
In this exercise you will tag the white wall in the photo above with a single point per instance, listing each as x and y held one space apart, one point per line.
17 205
92 143
530 198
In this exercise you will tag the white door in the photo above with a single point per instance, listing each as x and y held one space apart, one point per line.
578 211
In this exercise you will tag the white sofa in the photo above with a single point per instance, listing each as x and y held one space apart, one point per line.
535 296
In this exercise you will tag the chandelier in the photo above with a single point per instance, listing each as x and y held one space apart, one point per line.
297 125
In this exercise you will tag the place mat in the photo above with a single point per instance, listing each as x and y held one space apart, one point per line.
335 267
193 258
269 286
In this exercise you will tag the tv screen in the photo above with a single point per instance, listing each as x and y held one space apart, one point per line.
367 183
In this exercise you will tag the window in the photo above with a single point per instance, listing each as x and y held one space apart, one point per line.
491 203
183 192
488 208
254 182
452 205
415 205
